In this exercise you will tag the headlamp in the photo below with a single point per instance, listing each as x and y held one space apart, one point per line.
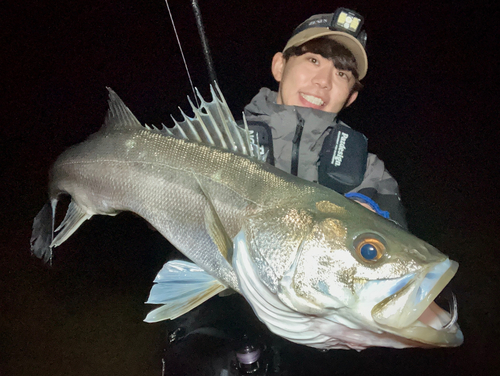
343 20
349 22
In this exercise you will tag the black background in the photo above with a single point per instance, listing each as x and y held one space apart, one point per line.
429 108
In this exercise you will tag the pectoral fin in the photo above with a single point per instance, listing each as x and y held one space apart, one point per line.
218 233
215 228
180 286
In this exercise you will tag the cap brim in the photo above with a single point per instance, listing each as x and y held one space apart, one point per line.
351 43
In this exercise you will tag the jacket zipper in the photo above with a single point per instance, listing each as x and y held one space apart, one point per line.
294 168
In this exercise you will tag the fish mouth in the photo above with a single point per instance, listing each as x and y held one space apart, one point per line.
413 313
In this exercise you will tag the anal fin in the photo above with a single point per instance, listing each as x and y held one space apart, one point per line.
75 216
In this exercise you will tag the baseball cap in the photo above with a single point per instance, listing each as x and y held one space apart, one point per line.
339 27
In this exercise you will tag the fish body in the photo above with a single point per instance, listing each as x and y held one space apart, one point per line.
317 268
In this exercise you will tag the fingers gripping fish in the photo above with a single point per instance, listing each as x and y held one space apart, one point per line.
316 268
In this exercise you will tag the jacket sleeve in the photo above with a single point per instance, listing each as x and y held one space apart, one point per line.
382 188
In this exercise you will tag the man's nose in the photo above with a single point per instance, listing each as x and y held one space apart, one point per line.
323 77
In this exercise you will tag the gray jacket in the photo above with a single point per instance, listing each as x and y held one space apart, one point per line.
377 184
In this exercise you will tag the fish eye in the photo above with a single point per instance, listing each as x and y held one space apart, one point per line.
370 249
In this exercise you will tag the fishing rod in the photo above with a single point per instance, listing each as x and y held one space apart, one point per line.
204 42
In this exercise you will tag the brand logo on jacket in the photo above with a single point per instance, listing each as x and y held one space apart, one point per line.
338 153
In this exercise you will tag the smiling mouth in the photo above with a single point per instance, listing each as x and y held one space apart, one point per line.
312 99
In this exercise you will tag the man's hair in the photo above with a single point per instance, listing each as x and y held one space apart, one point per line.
342 58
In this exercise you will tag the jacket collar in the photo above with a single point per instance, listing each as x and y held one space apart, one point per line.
283 118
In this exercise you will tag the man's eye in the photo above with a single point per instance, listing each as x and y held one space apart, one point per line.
344 75
313 60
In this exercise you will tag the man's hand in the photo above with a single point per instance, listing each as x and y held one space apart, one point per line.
367 202
368 206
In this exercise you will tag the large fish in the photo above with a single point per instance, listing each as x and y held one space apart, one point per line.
317 268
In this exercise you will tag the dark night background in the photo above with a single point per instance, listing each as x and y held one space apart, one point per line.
429 108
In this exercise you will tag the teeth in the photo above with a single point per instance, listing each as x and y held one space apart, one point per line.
314 100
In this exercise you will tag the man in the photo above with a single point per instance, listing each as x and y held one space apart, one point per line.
319 73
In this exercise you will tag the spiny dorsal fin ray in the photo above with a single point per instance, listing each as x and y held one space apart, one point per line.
221 120
242 135
179 132
213 124
199 124
119 116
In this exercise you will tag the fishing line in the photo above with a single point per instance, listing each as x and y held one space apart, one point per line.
182 54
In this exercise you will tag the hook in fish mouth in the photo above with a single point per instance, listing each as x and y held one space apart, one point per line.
453 310
436 316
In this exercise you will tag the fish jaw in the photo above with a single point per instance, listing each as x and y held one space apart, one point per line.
406 305
410 312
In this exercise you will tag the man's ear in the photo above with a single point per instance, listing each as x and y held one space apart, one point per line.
351 98
277 66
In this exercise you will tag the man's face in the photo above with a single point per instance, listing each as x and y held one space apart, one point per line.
310 80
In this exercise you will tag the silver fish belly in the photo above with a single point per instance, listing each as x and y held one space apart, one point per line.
317 268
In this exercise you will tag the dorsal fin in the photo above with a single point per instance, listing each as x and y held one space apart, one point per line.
119 116
213 124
